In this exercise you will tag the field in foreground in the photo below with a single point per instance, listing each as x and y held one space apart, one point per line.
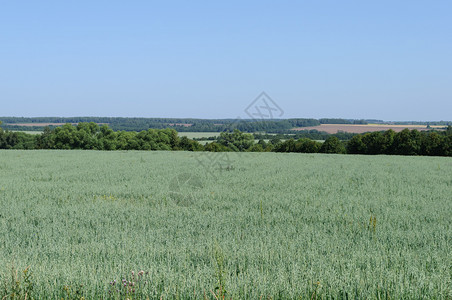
273 225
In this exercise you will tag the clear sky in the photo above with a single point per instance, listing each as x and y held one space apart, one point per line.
389 60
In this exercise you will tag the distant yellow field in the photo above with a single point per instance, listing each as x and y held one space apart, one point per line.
402 126
361 128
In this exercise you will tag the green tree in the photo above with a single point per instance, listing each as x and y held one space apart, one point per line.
256 148
449 130
216 147
388 141
432 144
107 138
127 140
262 143
332 145
46 140
447 145
65 137
87 136
174 138
189 145
274 141
2 137
286 146
407 142
373 142
305 145
356 145
236 140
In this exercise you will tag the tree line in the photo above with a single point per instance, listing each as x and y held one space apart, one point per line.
180 124
405 142
91 136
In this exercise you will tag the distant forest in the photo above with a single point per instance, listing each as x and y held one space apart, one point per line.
91 136
180 125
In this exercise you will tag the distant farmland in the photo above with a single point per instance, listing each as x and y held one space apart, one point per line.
197 135
38 124
357 128
43 124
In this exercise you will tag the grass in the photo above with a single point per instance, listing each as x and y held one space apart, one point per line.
279 226
192 135
28 132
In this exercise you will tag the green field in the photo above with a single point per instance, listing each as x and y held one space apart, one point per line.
197 135
266 226
28 132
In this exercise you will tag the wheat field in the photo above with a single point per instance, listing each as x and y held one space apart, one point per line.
75 224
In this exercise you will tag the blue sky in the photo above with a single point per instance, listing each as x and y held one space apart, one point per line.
387 60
